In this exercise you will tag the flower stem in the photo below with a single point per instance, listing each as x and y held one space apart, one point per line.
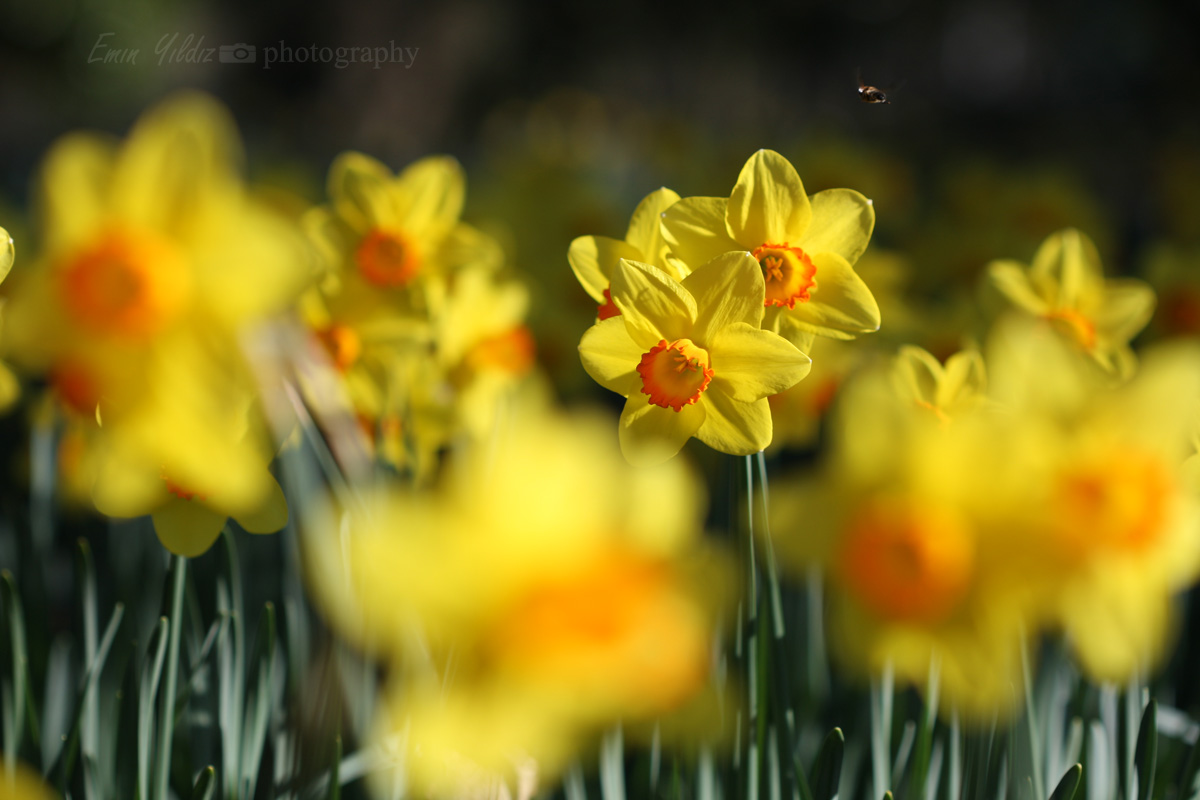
166 728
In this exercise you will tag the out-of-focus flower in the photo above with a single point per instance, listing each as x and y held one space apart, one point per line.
564 598
400 233
155 260
945 391
912 521
1066 285
690 358
22 784
594 258
10 387
804 246
1118 523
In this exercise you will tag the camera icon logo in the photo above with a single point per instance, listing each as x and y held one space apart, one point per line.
240 53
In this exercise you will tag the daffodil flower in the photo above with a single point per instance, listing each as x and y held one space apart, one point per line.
691 359
1066 286
594 258
804 246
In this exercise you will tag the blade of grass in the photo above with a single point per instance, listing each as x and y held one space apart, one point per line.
1031 728
90 732
1145 754
14 716
827 766
231 667
1068 785
259 703
882 693
206 784
65 762
156 652
166 725
335 783
612 765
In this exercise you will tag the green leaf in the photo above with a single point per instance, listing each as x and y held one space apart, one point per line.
156 651
827 767
259 703
1146 753
206 784
14 726
1186 788
1068 785
335 783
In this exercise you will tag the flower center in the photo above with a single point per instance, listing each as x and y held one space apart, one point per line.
127 283
675 374
907 561
76 387
386 258
343 345
178 491
789 273
1119 502
608 308
1076 326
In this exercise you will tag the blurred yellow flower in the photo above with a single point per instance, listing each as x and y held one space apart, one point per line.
805 246
691 359
1066 286
912 521
1118 515
22 784
155 260
944 391
594 258
564 592
10 387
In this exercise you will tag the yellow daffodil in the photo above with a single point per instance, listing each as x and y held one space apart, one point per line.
797 413
395 232
562 598
155 262
1066 286
805 246
690 358
594 258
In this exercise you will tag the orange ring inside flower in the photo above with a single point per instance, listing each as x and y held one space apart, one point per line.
128 283
789 273
675 374
387 258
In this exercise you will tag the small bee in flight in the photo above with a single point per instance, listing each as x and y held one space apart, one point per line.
870 94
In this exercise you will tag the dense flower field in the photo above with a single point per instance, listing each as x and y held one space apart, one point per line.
944 561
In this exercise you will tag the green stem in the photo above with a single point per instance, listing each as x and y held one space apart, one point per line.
166 728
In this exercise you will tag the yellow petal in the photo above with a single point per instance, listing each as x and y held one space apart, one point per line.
271 516
176 171
593 259
429 196
8 253
728 289
645 227
1068 261
611 357
358 189
841 306
1125 309
964 376
124 487
75 180
731 426
1012 280
10 388
653 304
651 434
842 222
187 527
768 203
750 363
694 229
